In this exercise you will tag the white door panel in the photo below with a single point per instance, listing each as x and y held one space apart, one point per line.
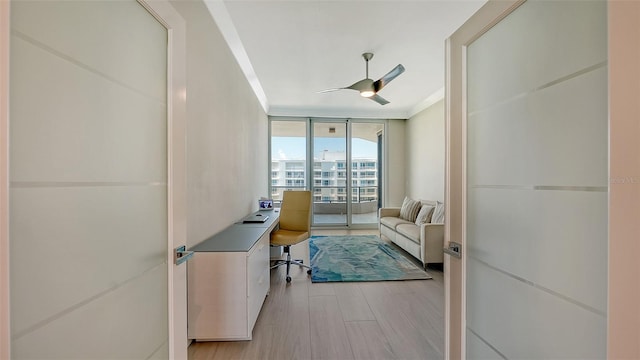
89 181
108 44
528 182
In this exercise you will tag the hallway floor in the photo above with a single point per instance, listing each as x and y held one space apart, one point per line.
372 320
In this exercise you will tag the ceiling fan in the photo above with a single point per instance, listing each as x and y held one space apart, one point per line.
369 88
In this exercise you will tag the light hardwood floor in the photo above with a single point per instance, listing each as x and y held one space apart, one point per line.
335 321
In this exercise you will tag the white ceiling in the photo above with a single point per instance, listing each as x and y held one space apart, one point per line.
292 49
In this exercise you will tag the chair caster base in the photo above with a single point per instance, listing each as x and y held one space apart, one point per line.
309 271
288 279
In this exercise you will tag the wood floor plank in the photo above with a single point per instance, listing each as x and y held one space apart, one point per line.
281 295
256 349
328 330
352 302
202 350
291 335
429 293
425 318
229 350
287 313
321 289
403 287
367 341
402 332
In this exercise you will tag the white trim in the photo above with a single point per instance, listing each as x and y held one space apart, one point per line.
404 114
623 300
447 200
424 104
221 16
176 177
337 113
465 255
5 329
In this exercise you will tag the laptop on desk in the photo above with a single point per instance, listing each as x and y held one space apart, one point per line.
265 204
255 218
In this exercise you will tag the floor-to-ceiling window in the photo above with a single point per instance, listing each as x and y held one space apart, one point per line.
339 160
366 170
330 172
288 157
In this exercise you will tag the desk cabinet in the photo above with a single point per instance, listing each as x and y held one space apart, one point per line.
226 291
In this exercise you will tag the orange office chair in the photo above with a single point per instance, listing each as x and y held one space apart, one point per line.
295 226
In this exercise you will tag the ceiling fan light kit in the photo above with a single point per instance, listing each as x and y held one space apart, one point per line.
369 88
367 93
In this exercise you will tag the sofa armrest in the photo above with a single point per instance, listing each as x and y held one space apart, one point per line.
384 212
432 243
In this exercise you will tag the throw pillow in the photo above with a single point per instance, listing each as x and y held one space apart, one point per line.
424 216
438 214
409 209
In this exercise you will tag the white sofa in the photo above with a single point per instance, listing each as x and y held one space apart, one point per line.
425 242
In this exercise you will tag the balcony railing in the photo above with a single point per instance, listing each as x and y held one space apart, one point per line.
364 199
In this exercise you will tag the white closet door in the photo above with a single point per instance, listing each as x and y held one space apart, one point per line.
88 181
537 184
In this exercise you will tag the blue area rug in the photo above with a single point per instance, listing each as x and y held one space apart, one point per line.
359 258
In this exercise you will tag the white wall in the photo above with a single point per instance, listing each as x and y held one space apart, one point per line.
226 131
425 153
395 172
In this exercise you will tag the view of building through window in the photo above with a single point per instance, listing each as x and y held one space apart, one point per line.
288 157
330 167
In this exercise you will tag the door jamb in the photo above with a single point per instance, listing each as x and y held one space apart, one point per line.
623 325
176 176
5 329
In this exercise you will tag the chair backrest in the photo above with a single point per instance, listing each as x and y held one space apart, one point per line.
295 212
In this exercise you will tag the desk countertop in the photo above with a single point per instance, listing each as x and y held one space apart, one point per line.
239 236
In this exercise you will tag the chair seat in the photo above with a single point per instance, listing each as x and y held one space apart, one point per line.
288 237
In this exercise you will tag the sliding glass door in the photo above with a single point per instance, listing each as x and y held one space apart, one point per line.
339 160
366 171
330 173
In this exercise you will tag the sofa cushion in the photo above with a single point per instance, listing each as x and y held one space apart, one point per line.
392 222
438 214
410 209
410 231
424 216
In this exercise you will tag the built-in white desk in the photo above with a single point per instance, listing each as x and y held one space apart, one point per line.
228 280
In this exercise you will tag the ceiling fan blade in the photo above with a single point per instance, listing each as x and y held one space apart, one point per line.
379 99
364 84
379 84
330 90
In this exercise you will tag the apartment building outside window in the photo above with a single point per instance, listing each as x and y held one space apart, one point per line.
335 164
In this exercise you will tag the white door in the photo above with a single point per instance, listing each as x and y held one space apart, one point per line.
96 182
528 182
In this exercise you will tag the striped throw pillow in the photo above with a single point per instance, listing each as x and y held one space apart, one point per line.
410 209
438 214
